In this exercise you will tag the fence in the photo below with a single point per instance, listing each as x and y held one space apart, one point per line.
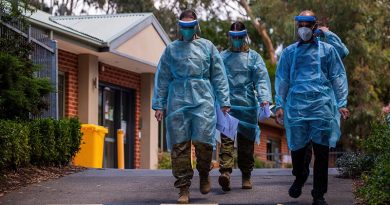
44 54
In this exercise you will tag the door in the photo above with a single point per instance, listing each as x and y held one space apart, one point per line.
116 111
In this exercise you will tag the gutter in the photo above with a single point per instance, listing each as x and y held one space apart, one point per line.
101 46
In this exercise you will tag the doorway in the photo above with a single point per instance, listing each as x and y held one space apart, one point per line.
117 111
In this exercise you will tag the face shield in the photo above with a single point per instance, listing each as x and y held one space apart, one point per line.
238 39
187 29
306 25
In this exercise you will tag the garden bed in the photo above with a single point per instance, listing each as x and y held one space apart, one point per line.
11 180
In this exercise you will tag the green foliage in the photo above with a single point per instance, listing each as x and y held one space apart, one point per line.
76 135
11 13
14 148
362 25
373 164
39 142
54 142
376 187
67 133
259 163
164 161
378 141
21 93
353 165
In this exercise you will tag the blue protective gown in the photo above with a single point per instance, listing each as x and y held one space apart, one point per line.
247 73
335 41
311 85
190 76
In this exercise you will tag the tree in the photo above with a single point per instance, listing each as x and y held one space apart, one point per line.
21 93
260 27
364 28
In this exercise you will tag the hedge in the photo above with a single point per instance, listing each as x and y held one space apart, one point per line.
371 165
38 142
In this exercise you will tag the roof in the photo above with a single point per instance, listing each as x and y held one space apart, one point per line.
100 30
43 19
102 27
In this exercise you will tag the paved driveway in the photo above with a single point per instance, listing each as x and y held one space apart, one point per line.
111 186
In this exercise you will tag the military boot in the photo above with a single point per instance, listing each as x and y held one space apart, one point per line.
184 195
204 184
224 181
246 182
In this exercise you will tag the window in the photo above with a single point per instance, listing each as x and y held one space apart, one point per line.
61 95
273 149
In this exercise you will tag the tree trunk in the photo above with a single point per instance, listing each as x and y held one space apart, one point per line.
261 30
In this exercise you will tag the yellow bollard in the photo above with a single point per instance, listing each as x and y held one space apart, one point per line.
121 150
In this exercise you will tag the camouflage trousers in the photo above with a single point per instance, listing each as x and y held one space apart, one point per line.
181 161
245 151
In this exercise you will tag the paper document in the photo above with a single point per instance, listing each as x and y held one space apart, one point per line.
264 113
226 124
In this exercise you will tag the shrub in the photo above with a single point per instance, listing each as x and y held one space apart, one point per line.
63 141
376 182
14 147
378 142
352 165
75 136
259 163
376 187
47 131
164 161
36 144
54 142
68 139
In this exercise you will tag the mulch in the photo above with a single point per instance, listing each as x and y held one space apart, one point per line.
11 180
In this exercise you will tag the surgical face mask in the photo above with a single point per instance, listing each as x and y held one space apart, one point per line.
237 43
305 33
187 33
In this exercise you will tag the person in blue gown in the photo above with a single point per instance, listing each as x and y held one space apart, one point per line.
250 89
311 94
190 78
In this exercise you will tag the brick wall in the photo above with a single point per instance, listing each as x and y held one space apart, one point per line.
130 80
68 63
269 132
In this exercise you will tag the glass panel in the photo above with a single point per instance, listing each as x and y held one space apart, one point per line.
109 123
100 110
125 119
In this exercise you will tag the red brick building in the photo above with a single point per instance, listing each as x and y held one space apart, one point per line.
273 147
106 65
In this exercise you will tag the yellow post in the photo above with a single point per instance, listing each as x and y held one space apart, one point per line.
121 151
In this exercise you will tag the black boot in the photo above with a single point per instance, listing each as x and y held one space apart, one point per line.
319 201
295 190
318 198
204 184
224 181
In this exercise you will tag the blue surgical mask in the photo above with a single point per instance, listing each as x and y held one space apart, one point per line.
305 33
187 33
237 43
